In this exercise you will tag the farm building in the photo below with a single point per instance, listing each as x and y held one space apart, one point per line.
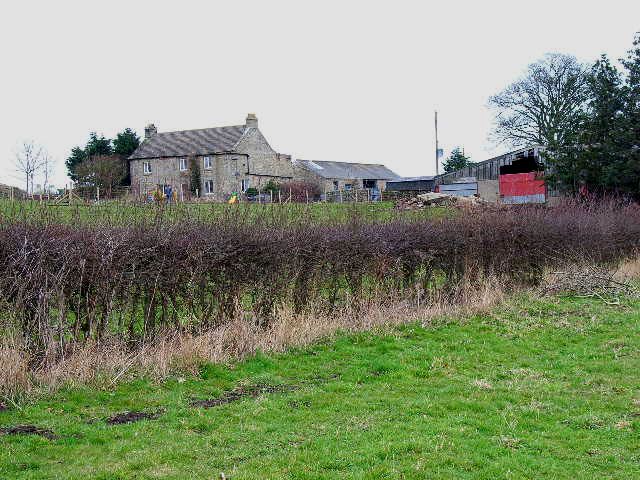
229 159
333 176
412 184
513 177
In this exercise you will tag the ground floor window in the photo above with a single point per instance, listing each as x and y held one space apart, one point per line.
246 184
348 186
369 184
146 167
208 187
336 185
183 164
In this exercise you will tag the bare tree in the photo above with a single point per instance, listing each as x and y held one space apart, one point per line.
48 167
103 171
542 107
29 161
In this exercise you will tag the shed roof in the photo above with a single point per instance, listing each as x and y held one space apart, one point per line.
415 179
190 142
327 169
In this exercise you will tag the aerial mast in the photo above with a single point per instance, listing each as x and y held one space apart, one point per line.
437 150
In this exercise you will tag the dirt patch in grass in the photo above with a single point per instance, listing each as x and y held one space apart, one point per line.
238 393
130 417
28 430
3 407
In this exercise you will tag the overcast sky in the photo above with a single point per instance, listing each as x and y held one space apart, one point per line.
342 80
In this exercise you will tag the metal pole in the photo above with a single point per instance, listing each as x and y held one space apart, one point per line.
436 125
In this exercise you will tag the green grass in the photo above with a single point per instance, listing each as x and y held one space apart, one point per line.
122 213
538 388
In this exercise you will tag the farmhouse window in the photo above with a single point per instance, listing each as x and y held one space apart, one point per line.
183 164
208 187
207 163
245 184
146 167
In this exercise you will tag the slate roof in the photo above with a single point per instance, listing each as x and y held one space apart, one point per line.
190 142
348 170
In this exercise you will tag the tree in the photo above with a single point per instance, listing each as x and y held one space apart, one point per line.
592 156
602 151
194 174
72 162
98 145
48 166
126 142
456 161
102 171
95 146
28 162
630 165
124 145
542 107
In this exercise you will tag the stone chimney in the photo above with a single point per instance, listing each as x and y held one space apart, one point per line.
149 131
252 121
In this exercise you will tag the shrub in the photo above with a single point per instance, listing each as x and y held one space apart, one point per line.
300 191
62 284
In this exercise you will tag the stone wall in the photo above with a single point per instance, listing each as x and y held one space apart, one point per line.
264 160
164 171
489 190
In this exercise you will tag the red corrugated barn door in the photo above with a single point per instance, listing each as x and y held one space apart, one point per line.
522 188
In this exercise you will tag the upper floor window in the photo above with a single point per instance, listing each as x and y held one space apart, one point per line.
183 164
146 167
208 187
207 162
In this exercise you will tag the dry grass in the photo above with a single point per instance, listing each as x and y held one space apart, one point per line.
588 279
628 270
111 361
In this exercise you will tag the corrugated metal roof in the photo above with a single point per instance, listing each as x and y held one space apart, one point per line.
190 142
415 179
328 169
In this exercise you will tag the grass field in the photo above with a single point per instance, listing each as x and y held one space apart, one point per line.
123 213
537 388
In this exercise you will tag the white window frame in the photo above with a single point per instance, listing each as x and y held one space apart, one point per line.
206 162
182 164
146 168
207 190
245 184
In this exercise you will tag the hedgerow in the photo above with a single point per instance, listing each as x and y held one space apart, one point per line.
62 284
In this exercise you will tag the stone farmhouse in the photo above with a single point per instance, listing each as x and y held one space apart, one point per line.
234 159
230 159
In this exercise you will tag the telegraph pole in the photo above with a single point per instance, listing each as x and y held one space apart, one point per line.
436 123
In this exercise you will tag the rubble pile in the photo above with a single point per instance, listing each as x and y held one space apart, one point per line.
433 199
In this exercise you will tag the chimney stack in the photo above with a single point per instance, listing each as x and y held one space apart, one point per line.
149 131
252 121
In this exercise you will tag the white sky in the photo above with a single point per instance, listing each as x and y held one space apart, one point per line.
329 80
